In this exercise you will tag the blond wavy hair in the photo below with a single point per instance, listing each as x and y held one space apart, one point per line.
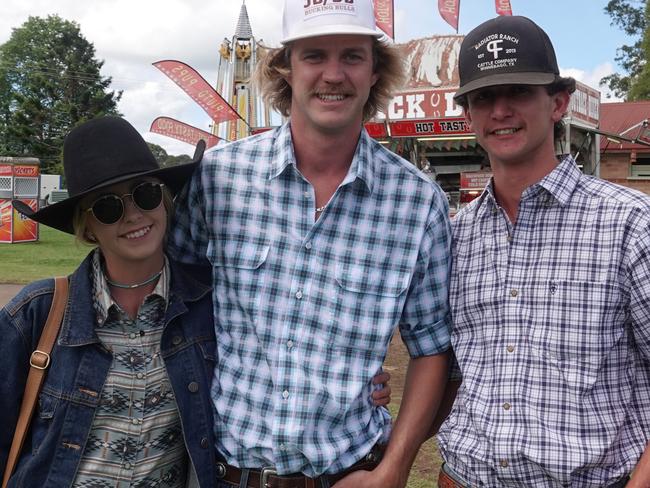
275 65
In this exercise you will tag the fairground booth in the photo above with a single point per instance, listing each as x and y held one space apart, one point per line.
19 179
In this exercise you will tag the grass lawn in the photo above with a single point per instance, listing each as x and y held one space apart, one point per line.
56 253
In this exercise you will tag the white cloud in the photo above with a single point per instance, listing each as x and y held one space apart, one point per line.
592 78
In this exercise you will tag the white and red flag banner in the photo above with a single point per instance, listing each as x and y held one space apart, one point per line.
503 7
200 90
183 132
385 16
449 10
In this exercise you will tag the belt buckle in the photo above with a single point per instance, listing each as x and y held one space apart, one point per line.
264 476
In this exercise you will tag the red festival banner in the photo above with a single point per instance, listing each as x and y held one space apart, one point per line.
385 16
198 89
503 7
449 10
183 132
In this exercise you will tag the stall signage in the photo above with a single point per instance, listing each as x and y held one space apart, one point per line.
5 170
422 104
376 130
435 127
26 171
474 179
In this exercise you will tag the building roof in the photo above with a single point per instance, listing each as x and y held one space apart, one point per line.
244 29
626 119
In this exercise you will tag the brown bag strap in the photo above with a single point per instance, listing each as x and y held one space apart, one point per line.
39 362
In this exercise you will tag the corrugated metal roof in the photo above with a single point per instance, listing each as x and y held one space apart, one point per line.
617 118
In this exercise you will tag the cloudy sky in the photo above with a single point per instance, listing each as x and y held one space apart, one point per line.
129 35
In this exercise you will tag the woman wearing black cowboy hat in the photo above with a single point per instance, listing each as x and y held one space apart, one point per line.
126 400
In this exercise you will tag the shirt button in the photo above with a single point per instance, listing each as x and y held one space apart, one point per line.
135 421
289 344
307 194
514 293
308 246
506 406
510 348
193 387
177 340
299 294
204 443
139 376
133 335
504 463
509 237
283 447
285 394
127 465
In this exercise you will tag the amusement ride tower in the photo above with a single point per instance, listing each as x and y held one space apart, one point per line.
237 60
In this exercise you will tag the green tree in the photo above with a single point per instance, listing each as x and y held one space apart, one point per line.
165 159
632 17
50 81
640 86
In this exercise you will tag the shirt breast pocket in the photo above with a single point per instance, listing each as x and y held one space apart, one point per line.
239 273
574 327
369 301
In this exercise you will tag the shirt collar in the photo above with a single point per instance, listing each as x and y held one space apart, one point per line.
559 184
562 181
102 298
362 162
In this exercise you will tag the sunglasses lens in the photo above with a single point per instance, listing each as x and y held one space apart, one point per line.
108 209
147 196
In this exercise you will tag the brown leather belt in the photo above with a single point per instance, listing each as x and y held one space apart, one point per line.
268 477
446 481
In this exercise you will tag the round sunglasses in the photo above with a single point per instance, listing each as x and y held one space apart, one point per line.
109 209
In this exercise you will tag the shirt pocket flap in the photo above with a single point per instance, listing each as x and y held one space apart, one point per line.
243 255
372 279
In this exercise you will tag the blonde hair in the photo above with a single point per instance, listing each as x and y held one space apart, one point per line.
275 66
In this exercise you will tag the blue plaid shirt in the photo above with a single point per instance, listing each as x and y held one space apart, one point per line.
552 334
306 309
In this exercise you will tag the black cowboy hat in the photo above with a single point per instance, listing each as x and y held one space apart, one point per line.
100 153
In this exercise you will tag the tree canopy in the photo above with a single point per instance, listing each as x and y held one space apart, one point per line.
50 82
633 17
165 159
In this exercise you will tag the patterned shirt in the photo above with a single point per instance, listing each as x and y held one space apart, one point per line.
552 333
305 309
135 439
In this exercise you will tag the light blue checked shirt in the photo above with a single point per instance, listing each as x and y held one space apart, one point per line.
552 334
306 310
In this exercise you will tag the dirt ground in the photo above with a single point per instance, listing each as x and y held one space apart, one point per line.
427 464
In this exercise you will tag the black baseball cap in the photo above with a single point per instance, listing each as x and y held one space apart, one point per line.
506 50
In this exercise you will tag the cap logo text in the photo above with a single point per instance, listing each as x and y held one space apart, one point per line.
494 47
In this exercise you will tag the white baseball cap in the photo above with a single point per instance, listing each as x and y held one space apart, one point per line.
312 18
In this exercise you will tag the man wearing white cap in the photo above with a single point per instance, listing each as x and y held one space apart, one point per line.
550 290
322 242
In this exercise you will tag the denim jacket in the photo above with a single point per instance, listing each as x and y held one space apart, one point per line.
78 370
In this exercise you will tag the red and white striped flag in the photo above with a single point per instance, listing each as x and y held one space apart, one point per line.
503 7
449 10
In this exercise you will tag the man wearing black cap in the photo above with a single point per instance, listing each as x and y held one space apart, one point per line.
550 290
